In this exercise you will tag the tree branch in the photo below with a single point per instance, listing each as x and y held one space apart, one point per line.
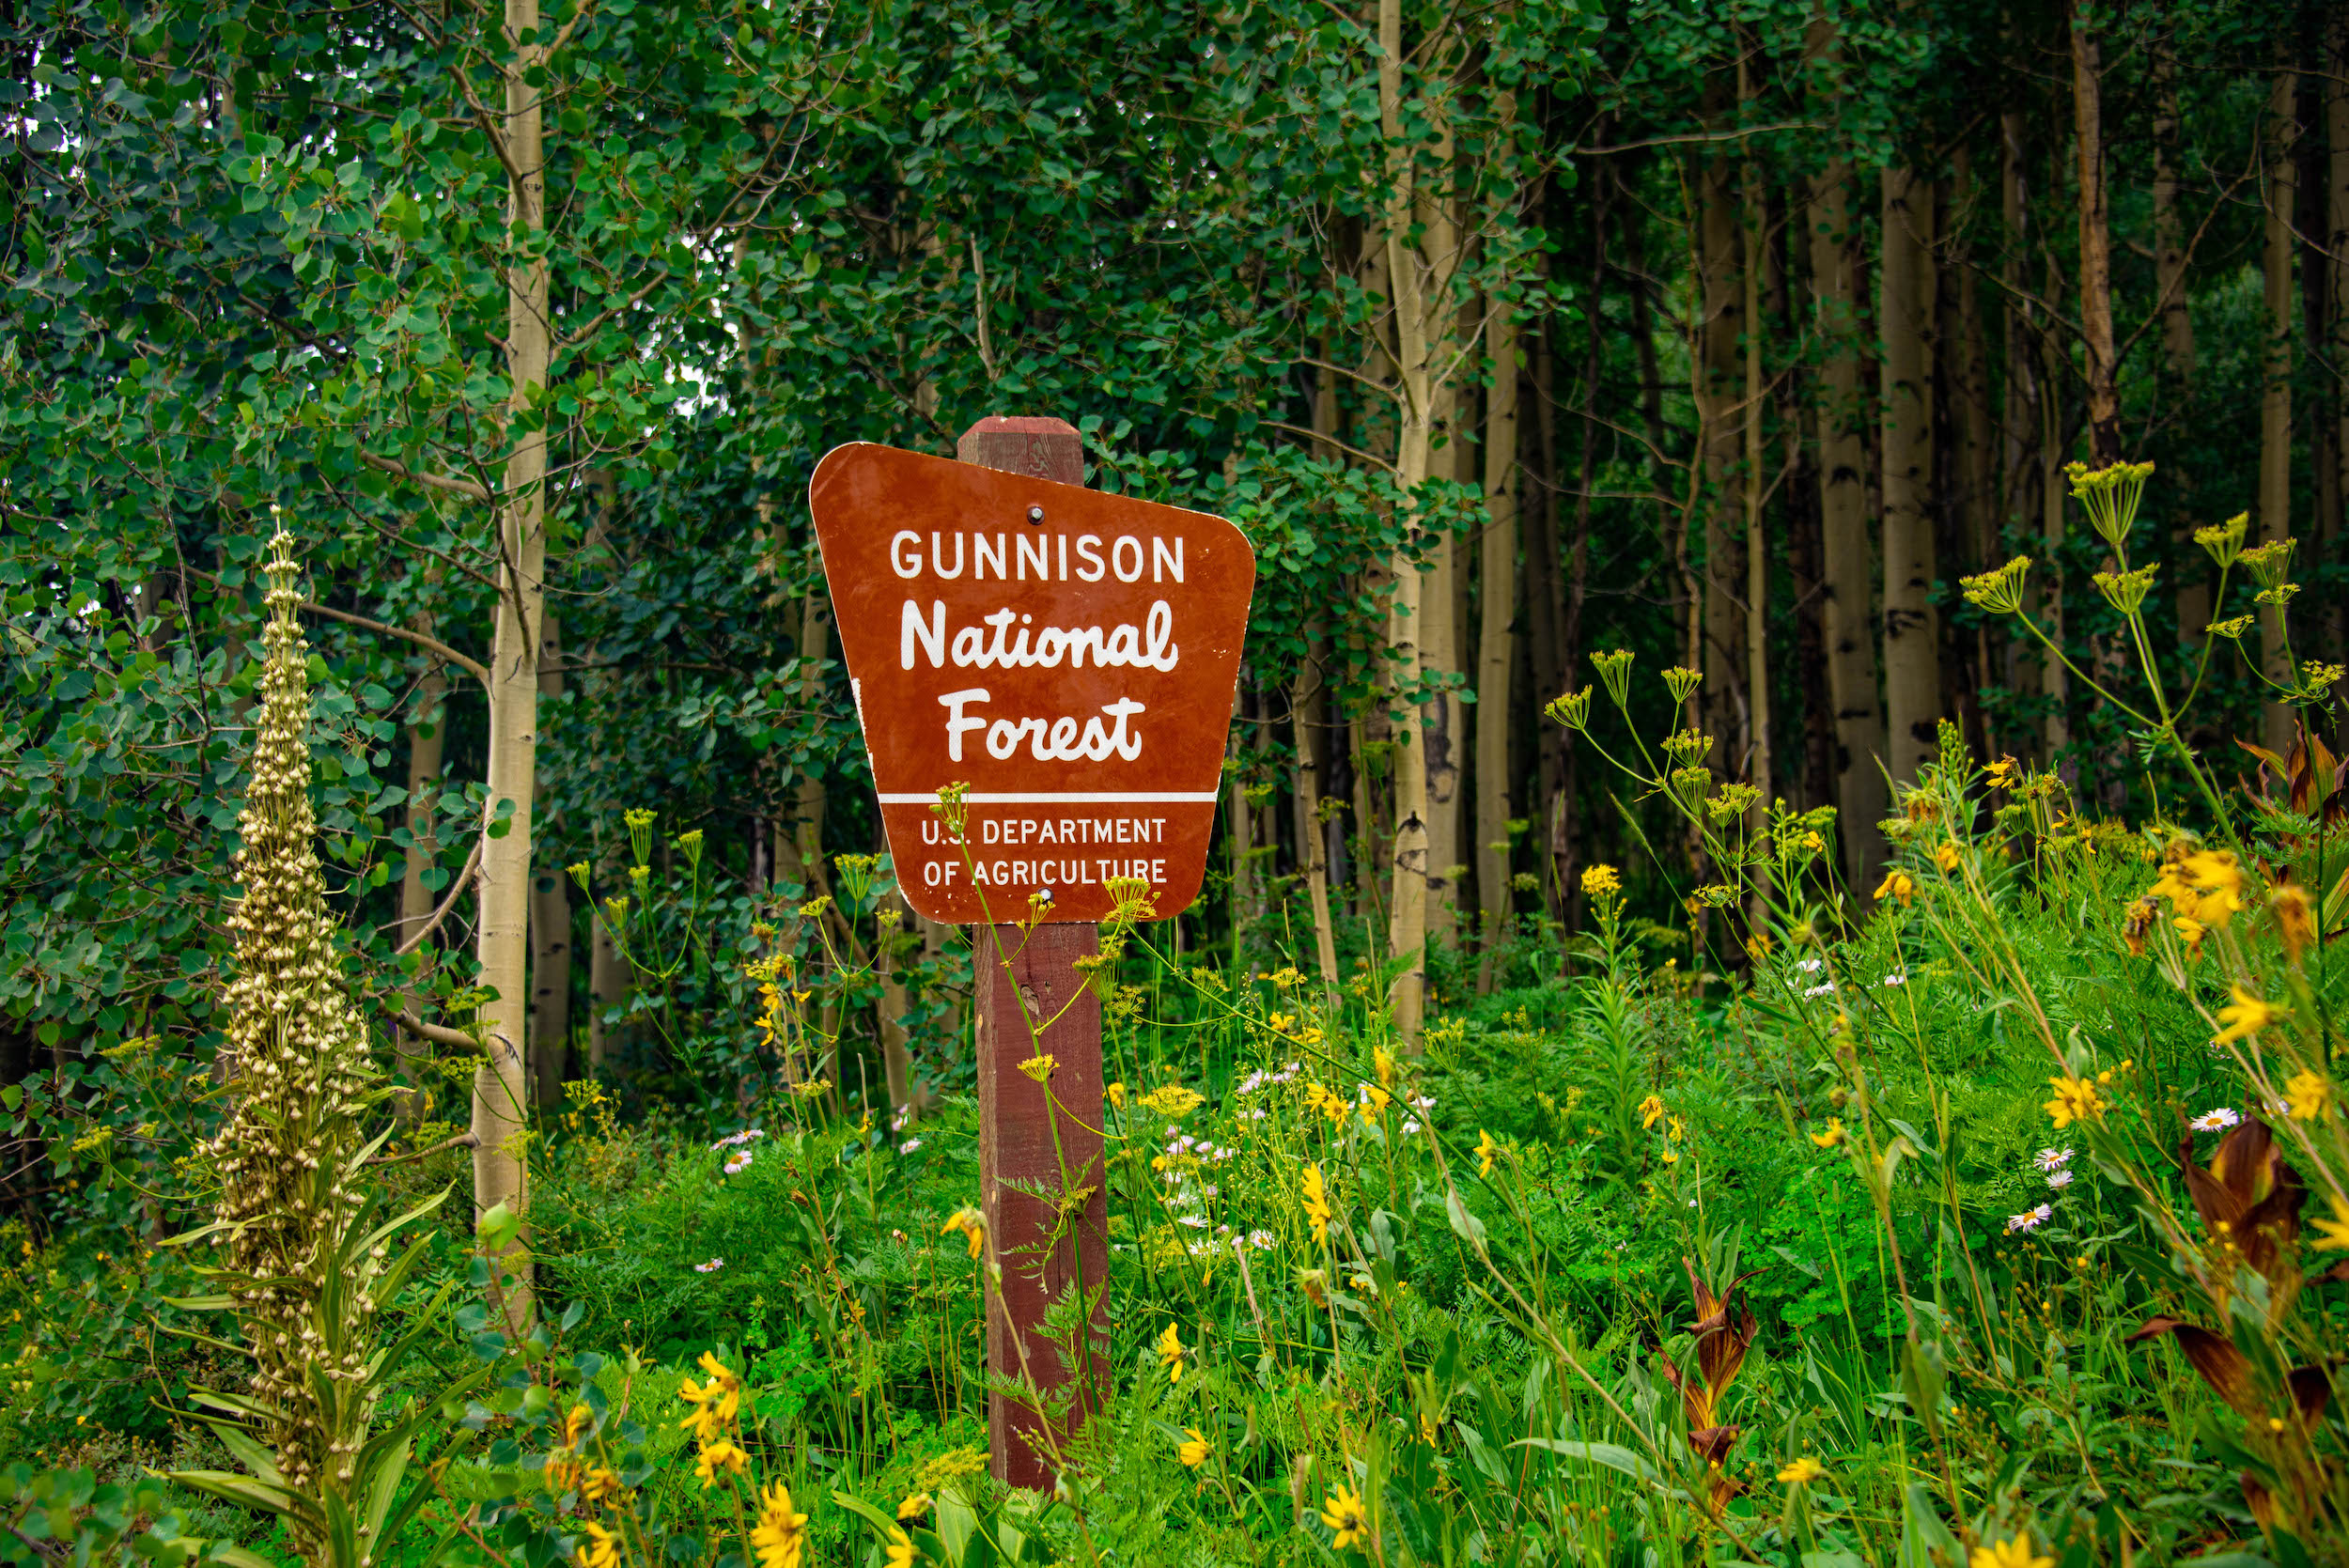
433 645
436 1034
462 1140
430 481
465 877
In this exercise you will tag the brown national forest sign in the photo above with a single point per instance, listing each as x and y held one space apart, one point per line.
1068 655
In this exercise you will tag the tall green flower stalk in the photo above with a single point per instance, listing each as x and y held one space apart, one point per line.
293 1247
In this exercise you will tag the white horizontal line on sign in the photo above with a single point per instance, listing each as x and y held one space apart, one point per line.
1072 797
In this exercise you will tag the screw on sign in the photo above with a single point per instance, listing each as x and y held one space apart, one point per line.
1068 658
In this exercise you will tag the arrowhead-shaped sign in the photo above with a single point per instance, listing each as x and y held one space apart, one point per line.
1068 655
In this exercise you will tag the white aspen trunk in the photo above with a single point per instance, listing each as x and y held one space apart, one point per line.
1408 275
428 743
1912 633
550 925
1846 625
500 1087
1496 630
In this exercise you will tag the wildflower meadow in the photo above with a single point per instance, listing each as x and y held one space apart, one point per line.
1991 1214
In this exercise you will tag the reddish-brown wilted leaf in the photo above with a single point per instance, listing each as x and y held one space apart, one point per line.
2311 1390
2221 1364
1712 1442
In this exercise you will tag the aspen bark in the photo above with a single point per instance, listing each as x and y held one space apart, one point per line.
1970 426
1495 632
1308 713
1418 275
1846 589
550 925
1442 719
2088 141
2177 334
1912 637
500 1087
427 742
2275 508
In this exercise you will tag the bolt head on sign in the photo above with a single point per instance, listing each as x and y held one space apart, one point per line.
1068 655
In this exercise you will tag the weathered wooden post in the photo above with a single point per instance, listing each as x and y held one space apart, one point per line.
1069 656
1040 982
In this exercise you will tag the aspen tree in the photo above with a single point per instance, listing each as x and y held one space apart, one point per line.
1496 639
2088 141
1912 633
1849 625
550 922
500 1086
2177 327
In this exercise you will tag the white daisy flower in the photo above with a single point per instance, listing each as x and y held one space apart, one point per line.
2052 1159
2218 1120
2029 1219
2059 1179
710 1267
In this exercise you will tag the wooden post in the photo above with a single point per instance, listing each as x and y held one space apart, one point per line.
1023 980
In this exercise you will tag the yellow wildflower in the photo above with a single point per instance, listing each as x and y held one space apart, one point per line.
780 1532
1115 1095
2294 919
1316 1201
599 1483
1194 1453
603 1548
1170 1352
2076 1100
1173 1101
2244 1017
2310 1096
1344 1515
970 1222
913 1507
1039 1066
901 1549
721 1455
575 1425
1281 1022
2218 878
1945 855
1485 1149
1651 1111
1833 1135
2001 773
2334 1231
1896 884
1384 1065
1286 978
1802 1470
1374 1103
2190 931
2016 1553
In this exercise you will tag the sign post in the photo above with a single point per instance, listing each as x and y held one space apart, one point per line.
1069 656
